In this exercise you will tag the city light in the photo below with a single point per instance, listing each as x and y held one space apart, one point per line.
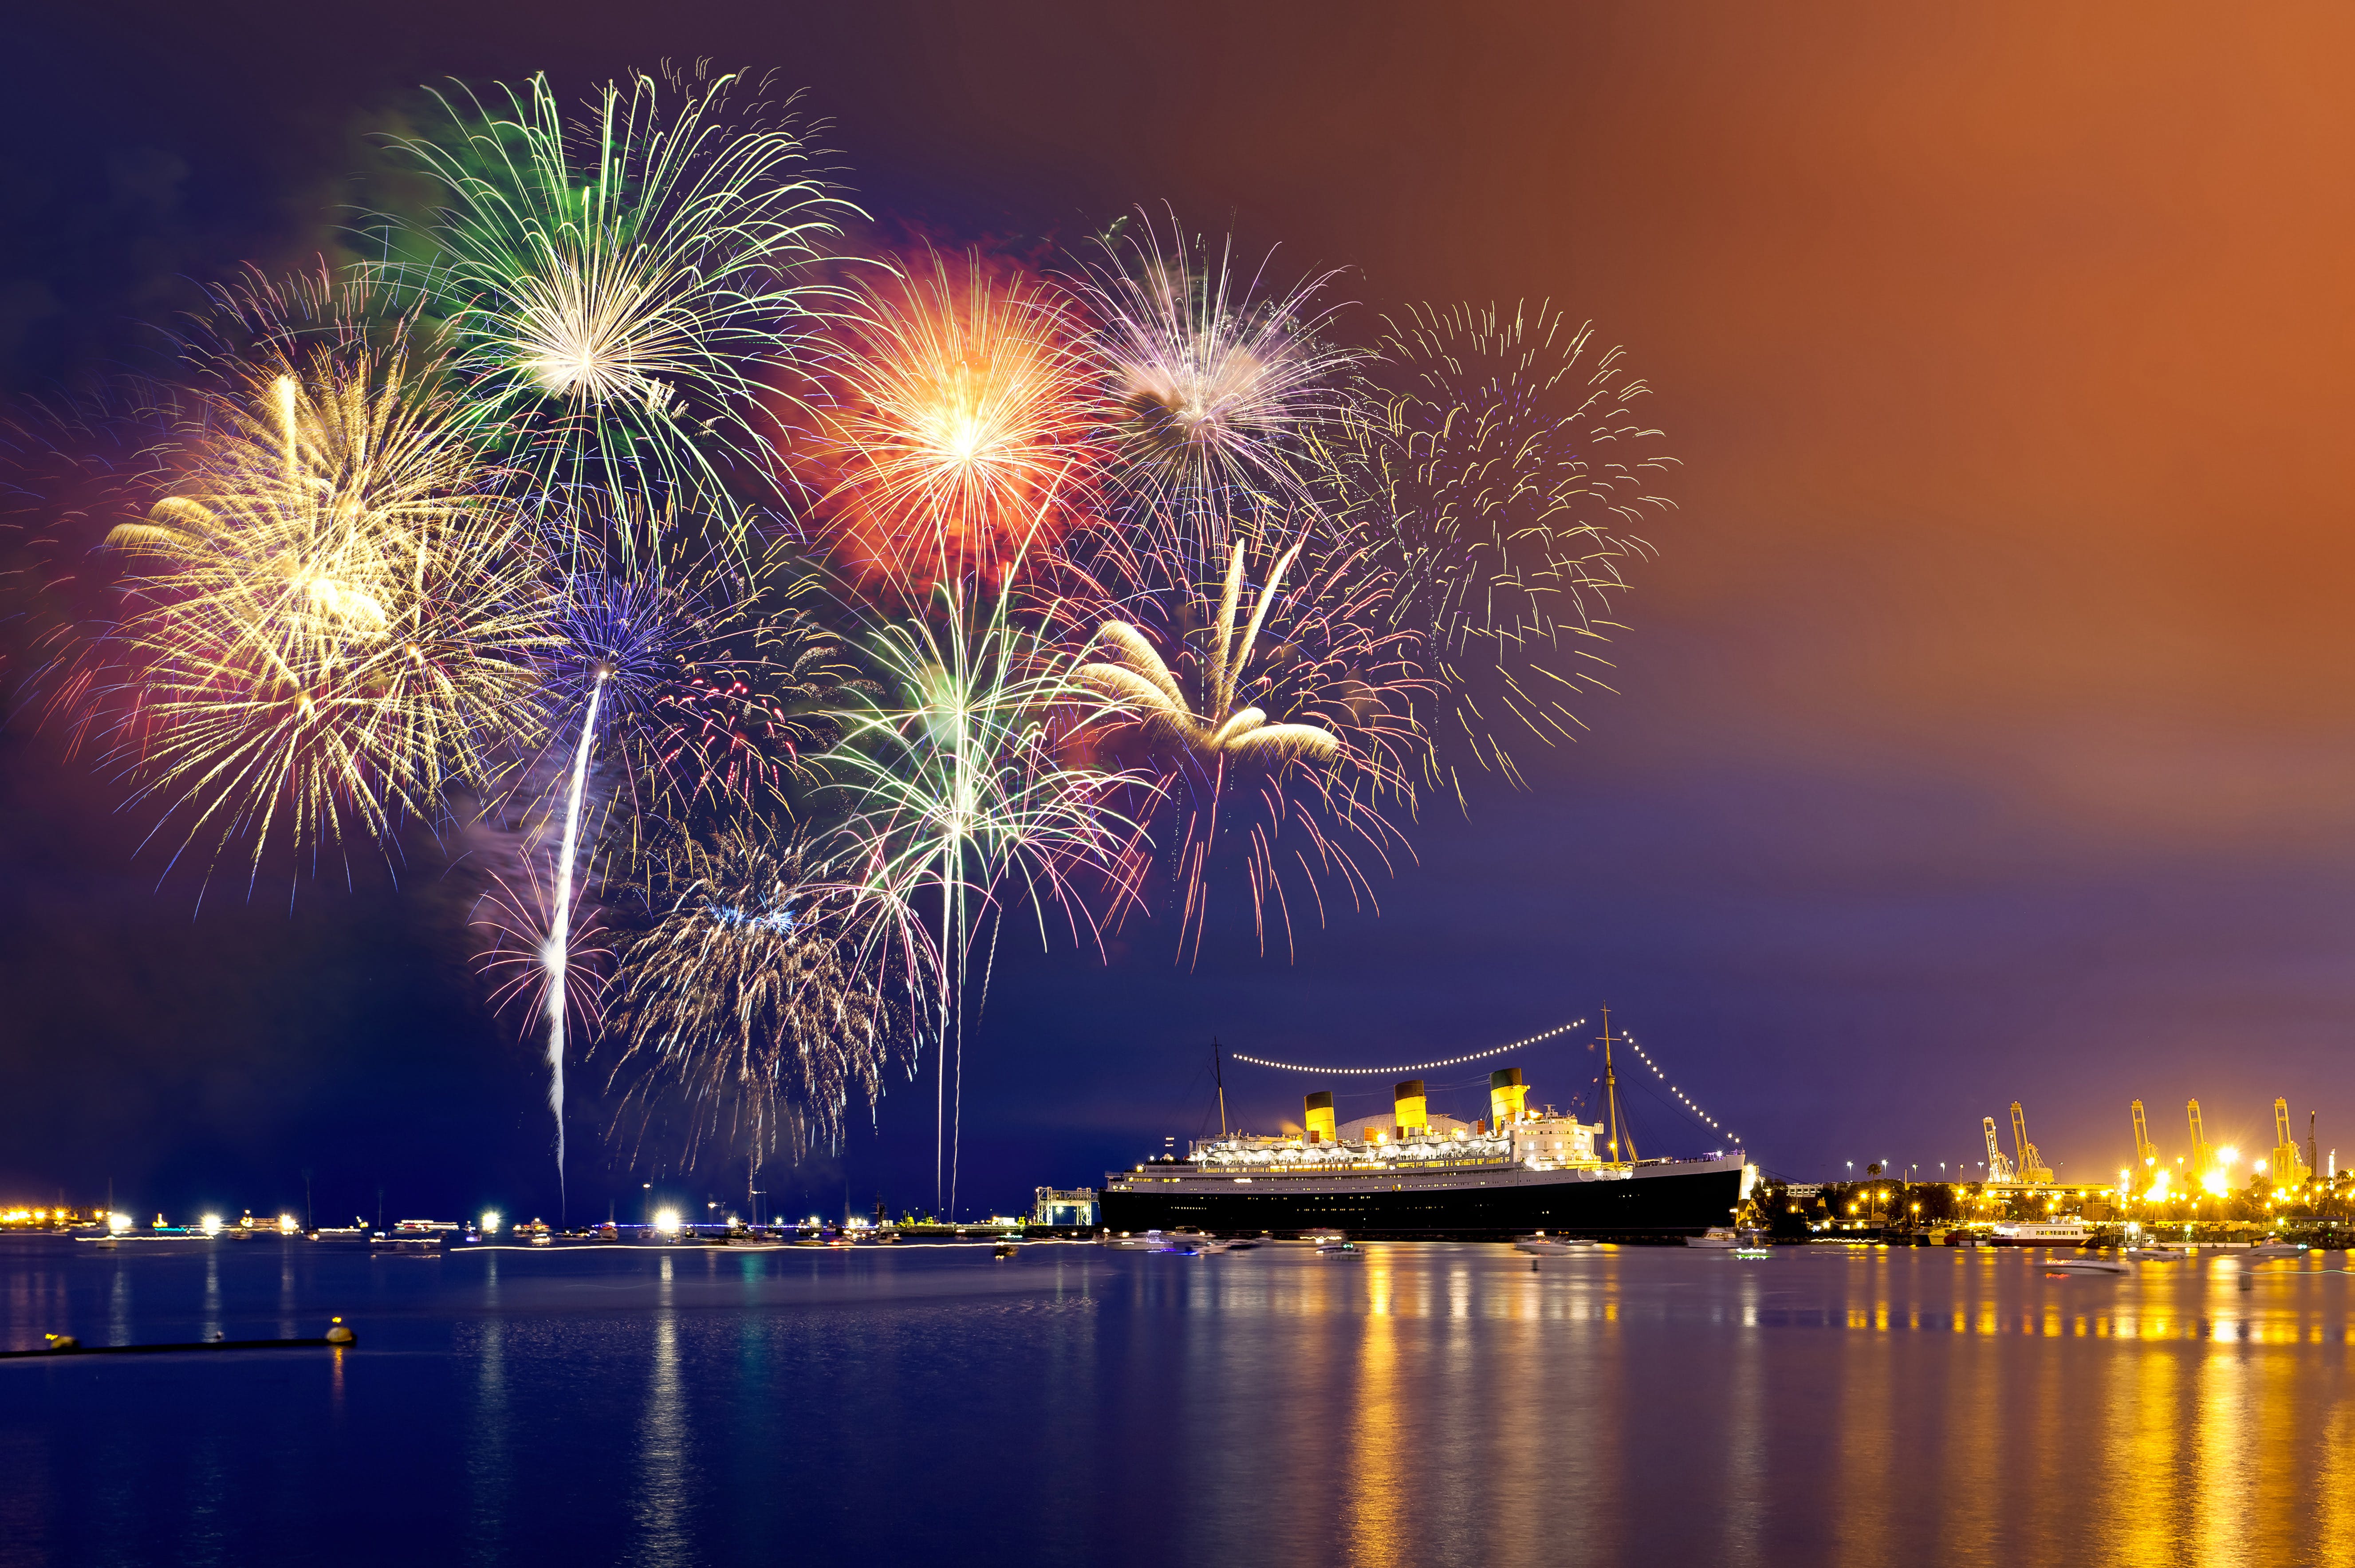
287 1224
117 1223
490 1223
666 1221
210 1224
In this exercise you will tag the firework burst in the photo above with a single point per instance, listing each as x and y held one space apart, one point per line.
1214 378
747 998
960 805
958 430
333 615
719 685
1303 792
617 285
1501 482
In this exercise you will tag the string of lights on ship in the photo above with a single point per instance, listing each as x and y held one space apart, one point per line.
1416 1069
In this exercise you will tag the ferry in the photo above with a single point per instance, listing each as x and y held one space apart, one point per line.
2040 1234
1414 1176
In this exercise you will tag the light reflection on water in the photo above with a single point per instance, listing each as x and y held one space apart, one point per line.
1409 1404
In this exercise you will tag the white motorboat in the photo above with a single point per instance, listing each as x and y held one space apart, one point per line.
2084 1265
1719 1236
1553 1244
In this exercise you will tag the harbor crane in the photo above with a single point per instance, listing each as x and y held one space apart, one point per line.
1998 1167
2144 1153
2031 1166
2288 1169
2201 1158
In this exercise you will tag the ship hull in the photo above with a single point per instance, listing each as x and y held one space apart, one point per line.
1651 1203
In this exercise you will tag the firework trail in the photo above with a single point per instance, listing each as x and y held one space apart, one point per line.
1501 478
1213 380
619 284
750 994
331 617
958 430
560 935
701 682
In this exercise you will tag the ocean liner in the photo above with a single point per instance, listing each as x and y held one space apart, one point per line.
1413 1175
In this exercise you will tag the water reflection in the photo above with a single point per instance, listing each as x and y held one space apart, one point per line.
660 1501
1379 1515
490 1479
1412 1404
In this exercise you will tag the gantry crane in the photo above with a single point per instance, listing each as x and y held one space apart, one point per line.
2144 1154
2030 1164
1998 1167
2201 1158
2288 1169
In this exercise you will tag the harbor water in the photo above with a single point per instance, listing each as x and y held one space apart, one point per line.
1412 1403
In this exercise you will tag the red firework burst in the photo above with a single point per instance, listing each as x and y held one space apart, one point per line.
958 430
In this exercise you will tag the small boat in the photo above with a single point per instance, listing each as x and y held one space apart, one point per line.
1337 1246
2158 1254
1551 1244
1753 1252
2084 1265
1719 1236
1003 1251
1193 1244
2273 1247
408 1246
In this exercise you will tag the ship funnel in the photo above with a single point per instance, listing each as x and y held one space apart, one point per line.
1317 1115
1508 1095
1411 1117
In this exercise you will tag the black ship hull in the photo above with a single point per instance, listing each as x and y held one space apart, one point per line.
1654 1203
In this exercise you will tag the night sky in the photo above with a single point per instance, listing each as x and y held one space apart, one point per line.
1982 730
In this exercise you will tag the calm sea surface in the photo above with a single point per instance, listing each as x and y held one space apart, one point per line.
1419 1403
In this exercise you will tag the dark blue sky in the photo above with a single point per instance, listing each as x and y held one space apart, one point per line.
1981 732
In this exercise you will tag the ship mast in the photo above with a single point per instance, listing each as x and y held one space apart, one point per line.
1219 1077
1611 1093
